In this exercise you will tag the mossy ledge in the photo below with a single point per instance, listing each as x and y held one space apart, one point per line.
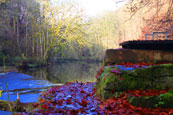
109 84
162 100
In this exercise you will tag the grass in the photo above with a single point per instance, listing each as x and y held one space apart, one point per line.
9 103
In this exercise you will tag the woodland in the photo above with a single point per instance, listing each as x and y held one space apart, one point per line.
39 30
35 33
45 31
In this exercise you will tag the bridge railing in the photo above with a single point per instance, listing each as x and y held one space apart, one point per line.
157 35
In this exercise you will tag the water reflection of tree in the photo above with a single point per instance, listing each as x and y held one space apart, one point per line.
72 72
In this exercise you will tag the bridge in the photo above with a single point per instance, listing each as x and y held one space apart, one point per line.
152 44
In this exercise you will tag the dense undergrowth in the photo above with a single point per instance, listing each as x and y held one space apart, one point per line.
22 62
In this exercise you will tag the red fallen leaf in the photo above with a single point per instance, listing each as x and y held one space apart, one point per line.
69 101
101 106
73 112
85 97
49 102
89 94
163 113
124 97
42 100
121 78
154 113
122 94
97 75
82 91
51 91
68 83
94 90
171 111
60 102
54 104
163 91
47 112
36 105
131 107
110 106
121 111
44 106
138 108
126 102
113 91
147 92
83 103
101 70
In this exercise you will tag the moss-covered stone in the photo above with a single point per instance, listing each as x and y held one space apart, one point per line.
105 84
153 72
153 77
163 101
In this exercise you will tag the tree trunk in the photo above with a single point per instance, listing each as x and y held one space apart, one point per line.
26 40
17 32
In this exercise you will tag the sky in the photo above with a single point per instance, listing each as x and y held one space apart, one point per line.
97 7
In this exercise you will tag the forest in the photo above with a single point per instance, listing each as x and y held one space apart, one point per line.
46 30
57 60
42 31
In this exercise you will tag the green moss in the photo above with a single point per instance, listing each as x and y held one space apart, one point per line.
163 101
153 72
148 102
106 85
153 77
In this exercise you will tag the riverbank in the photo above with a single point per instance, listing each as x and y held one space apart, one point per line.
23 63
8 69
17 106
71 98
80 98
29 83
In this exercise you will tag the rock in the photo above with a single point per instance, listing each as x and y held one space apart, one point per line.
162 100
109 84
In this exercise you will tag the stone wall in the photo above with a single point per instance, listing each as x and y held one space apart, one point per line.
132 55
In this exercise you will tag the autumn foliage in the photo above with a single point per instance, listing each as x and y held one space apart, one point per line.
79 98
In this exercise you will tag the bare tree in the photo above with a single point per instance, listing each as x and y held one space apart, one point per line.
160 11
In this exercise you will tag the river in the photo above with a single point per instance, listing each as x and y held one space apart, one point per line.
30 83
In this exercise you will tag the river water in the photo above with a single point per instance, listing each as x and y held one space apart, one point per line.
30 83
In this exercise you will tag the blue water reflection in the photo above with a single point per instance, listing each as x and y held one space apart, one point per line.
30 83
29 90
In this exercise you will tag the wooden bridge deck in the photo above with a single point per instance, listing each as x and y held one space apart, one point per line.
149 44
